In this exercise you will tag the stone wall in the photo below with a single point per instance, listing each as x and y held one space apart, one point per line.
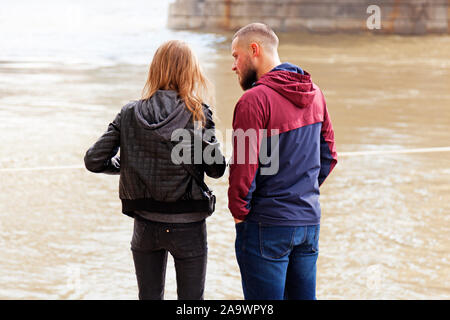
396 16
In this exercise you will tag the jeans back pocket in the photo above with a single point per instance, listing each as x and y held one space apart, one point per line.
139 231
275 241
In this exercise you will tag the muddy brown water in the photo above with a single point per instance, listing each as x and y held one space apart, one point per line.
385 218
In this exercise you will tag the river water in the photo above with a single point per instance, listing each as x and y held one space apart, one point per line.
66 69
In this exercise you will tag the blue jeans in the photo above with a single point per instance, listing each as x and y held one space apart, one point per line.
277 262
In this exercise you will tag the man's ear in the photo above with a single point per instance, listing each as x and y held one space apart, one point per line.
255 49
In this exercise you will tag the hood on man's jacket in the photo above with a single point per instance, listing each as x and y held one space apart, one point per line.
163 113
292 83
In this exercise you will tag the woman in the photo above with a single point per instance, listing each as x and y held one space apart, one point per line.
165 197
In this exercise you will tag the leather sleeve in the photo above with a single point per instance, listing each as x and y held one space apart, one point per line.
217 168
102 156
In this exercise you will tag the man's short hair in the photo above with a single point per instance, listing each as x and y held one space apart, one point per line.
258 32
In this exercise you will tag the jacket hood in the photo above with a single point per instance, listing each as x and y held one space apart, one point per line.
292 83
163 113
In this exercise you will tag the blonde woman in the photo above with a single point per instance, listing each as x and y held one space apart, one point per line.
168 199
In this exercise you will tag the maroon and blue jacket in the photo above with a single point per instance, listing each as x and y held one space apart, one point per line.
287 102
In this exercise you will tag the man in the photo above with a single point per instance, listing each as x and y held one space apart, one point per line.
277 214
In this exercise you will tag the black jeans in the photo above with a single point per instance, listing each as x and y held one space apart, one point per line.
187 244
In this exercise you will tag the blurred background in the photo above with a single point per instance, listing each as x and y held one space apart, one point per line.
67 68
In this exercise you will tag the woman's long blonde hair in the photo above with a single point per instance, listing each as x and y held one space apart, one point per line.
175 67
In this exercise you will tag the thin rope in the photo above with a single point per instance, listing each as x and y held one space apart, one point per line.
340 154
378 152
41 168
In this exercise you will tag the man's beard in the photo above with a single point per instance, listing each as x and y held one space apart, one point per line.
248 78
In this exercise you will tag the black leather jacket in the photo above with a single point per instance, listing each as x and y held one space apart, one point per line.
149 180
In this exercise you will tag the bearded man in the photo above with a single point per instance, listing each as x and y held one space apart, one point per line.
277 213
